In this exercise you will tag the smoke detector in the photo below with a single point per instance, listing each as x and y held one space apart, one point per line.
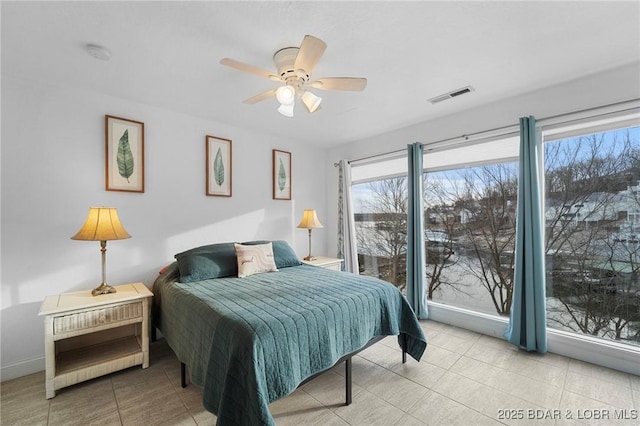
98 52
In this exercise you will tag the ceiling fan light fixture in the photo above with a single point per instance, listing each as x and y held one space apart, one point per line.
286 110
294 67
311 101
286 95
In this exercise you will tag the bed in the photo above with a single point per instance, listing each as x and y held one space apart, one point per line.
250 340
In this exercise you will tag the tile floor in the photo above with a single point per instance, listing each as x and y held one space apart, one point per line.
464 379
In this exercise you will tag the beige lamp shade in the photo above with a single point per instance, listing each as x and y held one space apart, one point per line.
311 101
310 220
102 224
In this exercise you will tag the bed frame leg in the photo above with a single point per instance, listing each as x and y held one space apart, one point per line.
183 375
404 348
348 389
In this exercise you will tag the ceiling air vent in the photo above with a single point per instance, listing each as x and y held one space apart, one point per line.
451 94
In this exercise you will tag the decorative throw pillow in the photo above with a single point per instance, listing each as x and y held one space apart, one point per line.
282 252
206 262
254 259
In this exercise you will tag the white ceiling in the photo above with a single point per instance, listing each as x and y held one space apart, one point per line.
167 54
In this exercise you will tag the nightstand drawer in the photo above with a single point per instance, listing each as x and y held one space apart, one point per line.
97 317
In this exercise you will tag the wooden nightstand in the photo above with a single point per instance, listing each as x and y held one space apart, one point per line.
325 262
89 336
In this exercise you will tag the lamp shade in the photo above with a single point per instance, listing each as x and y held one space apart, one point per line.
310 220
102 224
311 101
286 110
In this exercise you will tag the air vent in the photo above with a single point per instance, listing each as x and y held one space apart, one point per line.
451 94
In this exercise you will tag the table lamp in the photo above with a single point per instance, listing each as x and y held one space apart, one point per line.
102 224
309 221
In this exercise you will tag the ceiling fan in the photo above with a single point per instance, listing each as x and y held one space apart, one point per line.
294 65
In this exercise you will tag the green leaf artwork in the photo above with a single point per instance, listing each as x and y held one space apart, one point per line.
125 157
282 176
218 168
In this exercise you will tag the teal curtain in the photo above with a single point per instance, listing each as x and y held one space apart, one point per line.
527 325
416 294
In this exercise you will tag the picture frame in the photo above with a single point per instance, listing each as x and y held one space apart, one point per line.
219 166
124 154
281 174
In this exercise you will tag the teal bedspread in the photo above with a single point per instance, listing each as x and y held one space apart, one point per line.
250 341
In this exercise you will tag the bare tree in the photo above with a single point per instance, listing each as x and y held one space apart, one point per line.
489 193
442 223
382 234
382 231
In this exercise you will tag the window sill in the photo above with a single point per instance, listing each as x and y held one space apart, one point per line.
605 353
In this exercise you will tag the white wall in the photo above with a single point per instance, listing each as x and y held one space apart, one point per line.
596 90
53 171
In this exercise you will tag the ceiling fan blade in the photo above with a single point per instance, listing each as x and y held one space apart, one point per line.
310 52
260 97
340 83
241 66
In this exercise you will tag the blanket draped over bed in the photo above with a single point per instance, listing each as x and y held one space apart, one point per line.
250 341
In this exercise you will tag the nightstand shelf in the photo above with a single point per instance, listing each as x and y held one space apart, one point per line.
124 352
325 262
89 336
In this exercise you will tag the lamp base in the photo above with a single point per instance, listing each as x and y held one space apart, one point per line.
309 258
103 289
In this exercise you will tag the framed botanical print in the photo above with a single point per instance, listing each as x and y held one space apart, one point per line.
218 166
124 157
281 175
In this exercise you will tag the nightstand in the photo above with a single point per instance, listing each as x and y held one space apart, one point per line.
89 336
325 262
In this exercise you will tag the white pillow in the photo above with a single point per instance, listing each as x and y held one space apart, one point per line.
255 259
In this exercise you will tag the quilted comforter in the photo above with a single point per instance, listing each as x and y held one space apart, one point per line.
250 341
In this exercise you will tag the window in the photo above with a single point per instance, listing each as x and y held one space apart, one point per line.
470 232
470 202
381 228
592 212
592 230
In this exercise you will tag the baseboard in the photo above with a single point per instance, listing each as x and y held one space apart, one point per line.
490 325
608 354
22 368
605 353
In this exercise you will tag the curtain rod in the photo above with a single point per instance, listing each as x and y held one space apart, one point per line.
397 151
503 128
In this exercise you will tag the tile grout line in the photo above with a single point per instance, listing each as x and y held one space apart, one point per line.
115 398
178 394
562 392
